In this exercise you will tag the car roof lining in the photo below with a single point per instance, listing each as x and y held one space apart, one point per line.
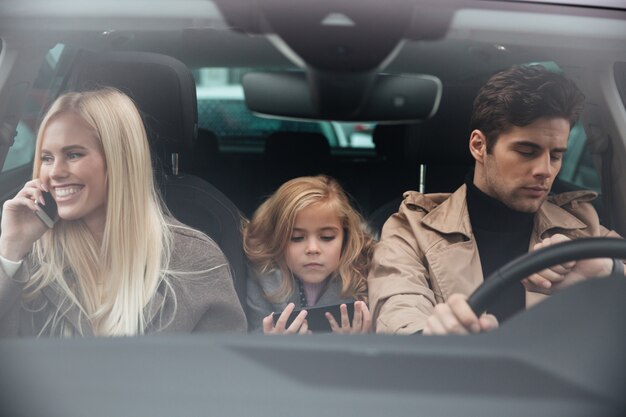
203 31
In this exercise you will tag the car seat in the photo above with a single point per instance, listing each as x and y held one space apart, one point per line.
165 93
205 153
439 148
395 171
289 155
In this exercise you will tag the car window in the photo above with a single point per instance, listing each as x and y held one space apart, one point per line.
21 152
561 357
355 135
578 169
222 110
620 80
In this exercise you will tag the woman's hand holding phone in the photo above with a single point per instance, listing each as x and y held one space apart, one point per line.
20 226
299 325
361 322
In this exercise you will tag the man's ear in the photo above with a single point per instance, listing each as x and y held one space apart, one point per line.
478 145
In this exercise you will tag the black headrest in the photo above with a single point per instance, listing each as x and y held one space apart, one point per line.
162 87
291 146
389 141
443 139
206 150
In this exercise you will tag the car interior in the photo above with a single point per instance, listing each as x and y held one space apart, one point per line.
240 96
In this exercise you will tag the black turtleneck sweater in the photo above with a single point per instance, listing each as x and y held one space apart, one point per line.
502 234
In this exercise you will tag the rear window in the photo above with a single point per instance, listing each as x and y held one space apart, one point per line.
578 169
222 110
23 148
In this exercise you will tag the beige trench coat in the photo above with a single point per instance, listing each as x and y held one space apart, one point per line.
427 252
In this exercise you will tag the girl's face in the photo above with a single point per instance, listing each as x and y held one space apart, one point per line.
73 167
314 247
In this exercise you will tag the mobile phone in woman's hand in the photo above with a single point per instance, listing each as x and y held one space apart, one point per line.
48 213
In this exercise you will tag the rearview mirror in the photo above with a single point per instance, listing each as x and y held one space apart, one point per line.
386 98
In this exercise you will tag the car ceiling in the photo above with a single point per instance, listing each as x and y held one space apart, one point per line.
482 36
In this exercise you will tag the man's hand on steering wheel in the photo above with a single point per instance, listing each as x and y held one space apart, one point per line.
568 273
459 314
455 316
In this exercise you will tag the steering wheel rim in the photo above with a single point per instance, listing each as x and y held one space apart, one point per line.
520 268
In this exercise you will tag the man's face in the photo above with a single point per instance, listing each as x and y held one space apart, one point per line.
520 168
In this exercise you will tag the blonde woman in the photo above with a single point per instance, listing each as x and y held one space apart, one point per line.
308 247
113 264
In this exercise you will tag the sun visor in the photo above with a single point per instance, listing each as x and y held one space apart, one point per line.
386 98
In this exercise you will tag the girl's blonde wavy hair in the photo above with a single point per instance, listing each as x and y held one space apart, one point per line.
131 261
266 235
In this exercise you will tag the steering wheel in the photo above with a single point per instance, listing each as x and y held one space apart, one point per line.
520 268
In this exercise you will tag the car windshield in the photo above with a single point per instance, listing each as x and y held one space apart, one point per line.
438 184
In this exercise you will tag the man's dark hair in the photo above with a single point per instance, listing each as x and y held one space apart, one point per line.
520 95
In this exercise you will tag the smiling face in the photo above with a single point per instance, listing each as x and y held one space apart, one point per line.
73 167
314 248
520 168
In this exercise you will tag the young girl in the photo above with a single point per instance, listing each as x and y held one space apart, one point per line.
113 263
308 247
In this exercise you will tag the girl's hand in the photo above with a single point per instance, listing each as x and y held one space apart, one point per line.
20 226
361 322
299 324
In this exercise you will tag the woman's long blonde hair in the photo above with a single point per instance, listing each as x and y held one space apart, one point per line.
266 236
131 261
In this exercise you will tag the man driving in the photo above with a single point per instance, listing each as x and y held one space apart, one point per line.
438 248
